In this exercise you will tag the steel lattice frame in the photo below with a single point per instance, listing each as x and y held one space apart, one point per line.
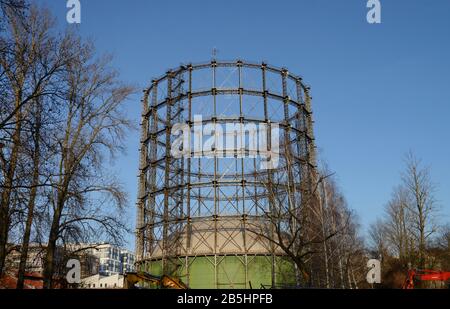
200 206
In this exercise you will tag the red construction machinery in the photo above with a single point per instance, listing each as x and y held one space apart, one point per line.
424 275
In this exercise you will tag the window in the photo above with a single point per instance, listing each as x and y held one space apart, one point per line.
101 285
106 285
115 284
93 285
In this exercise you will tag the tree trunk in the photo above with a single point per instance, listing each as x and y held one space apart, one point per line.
339 255
31 203
6 194
51 249
354 279
422 239
348 275
323 204
4 223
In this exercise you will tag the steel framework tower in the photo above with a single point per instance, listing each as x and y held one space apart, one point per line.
194 213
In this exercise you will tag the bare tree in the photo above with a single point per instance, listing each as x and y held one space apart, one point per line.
297 224
341 260
398 225
377 239
423 208
29 53
93 126
405 234
36 157
346 244
60 118
32 58
11 7
324 222
443 240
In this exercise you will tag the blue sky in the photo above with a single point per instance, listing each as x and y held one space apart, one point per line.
378 90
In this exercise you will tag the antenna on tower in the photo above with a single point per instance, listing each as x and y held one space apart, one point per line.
214 53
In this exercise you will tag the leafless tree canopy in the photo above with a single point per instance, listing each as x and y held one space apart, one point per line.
61 118
318 232
406 236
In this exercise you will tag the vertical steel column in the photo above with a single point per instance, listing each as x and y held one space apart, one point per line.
188 201
301 130
288 156
310 139
287 140
306 168
142 183
269 172
215 216
299 134
167 174
243 180
180 245
152 166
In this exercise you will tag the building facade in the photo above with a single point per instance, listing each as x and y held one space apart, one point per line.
103 282
114 260
36 256
103 259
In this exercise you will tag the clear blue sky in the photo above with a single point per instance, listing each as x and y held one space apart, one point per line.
378 90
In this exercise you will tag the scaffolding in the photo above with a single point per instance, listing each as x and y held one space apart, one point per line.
193 212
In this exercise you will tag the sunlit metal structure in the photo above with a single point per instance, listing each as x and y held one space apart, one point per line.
193 213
